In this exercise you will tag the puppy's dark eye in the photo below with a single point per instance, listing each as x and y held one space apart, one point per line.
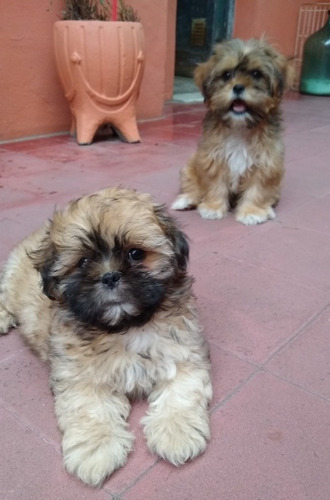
136 254
256 74
226 75
83 262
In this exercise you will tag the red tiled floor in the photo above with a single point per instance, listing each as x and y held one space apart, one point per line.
306 360
32 469
250 311
270 441
299 253
31 403
264 299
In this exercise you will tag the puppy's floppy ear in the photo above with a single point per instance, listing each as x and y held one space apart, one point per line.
175 235
288 72
43 260
284 72
202 75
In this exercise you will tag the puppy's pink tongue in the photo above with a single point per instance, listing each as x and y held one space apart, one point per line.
239 106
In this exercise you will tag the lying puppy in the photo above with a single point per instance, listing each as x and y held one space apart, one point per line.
239 160
102 293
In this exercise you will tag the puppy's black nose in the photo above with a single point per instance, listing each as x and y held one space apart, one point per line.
111 279
238 88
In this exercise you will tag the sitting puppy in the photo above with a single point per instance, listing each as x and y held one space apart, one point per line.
239 160
102 292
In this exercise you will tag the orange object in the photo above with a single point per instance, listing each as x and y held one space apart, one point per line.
100 65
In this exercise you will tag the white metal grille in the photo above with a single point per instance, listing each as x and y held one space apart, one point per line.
312 16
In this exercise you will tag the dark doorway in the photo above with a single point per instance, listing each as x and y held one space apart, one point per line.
199 25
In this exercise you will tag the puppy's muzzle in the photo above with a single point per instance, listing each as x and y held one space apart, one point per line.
238 105
111 279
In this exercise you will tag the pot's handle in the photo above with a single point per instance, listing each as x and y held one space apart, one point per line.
101 99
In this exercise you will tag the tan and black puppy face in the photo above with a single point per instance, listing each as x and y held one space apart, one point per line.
111 258
243 82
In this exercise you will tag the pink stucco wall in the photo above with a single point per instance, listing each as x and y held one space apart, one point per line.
158 19
32 101
276 19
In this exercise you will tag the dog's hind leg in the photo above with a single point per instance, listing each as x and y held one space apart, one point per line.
190 193
7 319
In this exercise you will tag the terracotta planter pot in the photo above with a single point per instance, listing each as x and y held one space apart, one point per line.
100 65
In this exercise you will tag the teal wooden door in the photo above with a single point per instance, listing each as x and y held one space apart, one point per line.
199 25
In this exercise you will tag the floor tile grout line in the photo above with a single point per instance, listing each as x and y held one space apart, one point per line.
305 228
262 368
234 355
236 390
295 384
33 138
118 496
293 336
110 495
27 425
259 370
296 334
297 207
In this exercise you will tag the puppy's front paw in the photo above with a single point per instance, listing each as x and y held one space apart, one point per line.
178 437
95 456
254 215
212 211
183 202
